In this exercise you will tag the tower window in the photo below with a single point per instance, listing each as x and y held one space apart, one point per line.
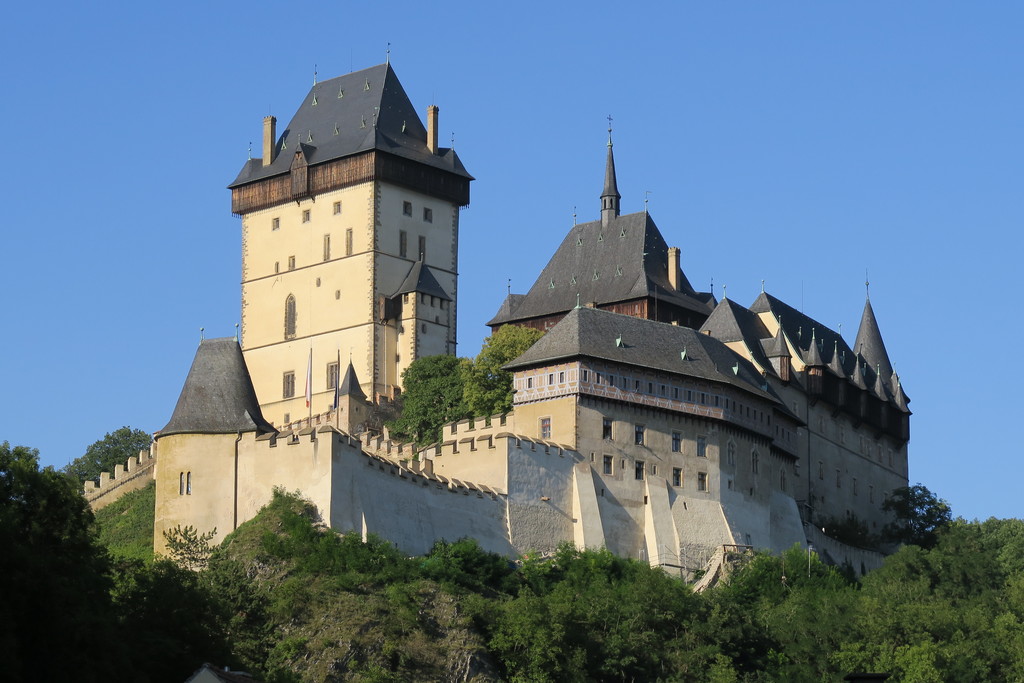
702 481
291 263
423 248
428 215
677 476
638 434
677 440
403 242
607 464
289 317
639 469
327 247
755 462
348 242
407 208
332 375
545 428
275 223
702 447
305 215
277 266
337 208
288 385
606 429
181 483
188 483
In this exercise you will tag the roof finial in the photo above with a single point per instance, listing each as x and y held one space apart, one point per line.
202 335
236 331
387 58
840 329
647 197
508 287
867 285
712 285
577 299
762 286
725 292
250 150
453 139
609 130
314 74
574 216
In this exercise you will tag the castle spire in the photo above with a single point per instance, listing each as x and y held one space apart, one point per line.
610 196
869 343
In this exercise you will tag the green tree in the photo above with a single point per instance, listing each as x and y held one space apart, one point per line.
488 388
189 549
113 449
431 397
919 516
56 614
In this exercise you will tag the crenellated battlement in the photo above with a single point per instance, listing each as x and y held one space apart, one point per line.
133 475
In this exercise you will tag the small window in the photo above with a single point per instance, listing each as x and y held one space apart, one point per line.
606 428
332 375
407 208
607 464
638 435
289 317
275 223
188 483
677 476
428 215
654 469
650 387
821 470
403 243
423 248
854 486
639 469
755 462
561 378
545 428
731 453
782 480
327 247
702 481
181 484
675 393
871 494
348 242
337 208
611 380
305 215
288 390
551 379
277 266
636 385
702 447
291 263
839 480
529 383
677 442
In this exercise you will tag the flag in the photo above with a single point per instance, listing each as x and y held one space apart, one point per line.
337 383
309 379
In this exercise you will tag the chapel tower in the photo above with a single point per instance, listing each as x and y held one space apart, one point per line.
350 224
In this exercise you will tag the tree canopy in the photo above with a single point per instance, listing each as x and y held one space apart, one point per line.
115 448
432 397
919 516
488 388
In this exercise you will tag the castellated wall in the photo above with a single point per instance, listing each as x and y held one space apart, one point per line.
132 476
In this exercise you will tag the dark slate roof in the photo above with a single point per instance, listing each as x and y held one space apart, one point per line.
813 355
730 322
626 260
350 384
611 184
218 397
869 343
800 329
420 279
592 333
355 113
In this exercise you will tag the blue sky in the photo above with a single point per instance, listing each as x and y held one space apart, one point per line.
799 143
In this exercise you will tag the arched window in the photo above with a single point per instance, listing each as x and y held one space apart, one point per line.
754 458
188 484
181 484
289 317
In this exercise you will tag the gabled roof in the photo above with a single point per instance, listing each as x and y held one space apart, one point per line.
593 333
800 329
355 113
870 345
218 396
730 322
623 261
420 279
350 384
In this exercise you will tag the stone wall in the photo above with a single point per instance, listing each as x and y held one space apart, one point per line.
132 476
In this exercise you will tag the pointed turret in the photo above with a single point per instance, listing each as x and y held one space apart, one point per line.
869 343
835 363
610 196
350 385
812 357
352 406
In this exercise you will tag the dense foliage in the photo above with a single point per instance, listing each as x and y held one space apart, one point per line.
289 599
113 449
488 388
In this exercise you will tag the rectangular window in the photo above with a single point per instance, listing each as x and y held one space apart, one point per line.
403 243
821 470
839 480
551 379
639 469
332 375
586 375
636 385
606 429
423 248
348 242
654 469
677 442
275 223
407 208
607 464
305 215
855 486
702 447
288 390
702 481
337 208
561 378
327 247
428 215
650 387
529 383
638 435
675 393
677 476
291 263
545 428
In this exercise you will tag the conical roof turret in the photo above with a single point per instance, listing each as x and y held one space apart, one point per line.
610 195
350 384
869 343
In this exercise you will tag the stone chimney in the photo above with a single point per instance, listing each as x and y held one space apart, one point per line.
269 139
432 128
673 267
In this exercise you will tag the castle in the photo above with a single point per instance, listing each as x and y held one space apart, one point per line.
650 419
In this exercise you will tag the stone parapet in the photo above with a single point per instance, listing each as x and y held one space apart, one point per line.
133 475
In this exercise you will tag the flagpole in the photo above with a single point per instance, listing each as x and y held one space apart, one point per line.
309 385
